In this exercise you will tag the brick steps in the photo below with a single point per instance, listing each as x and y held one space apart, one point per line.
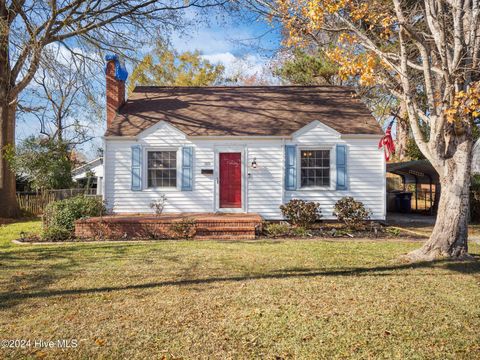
223 230
226 233
225 237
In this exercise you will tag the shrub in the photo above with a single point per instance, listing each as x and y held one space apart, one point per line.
56 233
62 214
301 213
183 229
277 229
300 231
159 204
351 212
393 231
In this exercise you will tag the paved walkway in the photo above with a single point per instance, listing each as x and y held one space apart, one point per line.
415 220
423 224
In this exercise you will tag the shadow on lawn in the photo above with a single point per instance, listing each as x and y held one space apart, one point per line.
32 273
10 298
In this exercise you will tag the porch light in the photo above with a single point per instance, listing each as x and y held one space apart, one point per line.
254 163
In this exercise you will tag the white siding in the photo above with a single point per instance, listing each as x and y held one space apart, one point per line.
316 134
121 199
365 172
263 185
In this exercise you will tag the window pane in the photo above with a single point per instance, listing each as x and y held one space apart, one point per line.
315 168
162 168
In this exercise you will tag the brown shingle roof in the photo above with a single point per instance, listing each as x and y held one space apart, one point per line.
243 111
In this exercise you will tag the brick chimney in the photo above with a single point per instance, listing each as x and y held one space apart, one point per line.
116 75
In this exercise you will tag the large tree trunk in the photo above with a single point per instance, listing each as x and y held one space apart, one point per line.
450 234
403 133
8 200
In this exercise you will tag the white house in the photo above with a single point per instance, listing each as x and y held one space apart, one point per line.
239 149
91 171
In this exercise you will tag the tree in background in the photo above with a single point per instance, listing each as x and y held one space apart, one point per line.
166 67
85 28
63 99
312 66
43 161
426 54
305 68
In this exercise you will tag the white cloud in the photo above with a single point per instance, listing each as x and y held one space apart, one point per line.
223 58
245 66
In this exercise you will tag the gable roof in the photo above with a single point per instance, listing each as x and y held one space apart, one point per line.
243 111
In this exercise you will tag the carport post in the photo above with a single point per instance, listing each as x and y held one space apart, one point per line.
416 192
431 195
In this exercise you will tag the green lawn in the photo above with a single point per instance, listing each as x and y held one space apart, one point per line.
220 300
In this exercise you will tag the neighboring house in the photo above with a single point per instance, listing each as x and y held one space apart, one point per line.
239 149
90 174
476 158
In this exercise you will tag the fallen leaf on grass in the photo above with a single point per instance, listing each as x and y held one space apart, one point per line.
100 342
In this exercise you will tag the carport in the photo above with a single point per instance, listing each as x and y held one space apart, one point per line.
418 172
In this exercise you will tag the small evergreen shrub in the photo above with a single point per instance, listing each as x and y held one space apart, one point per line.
277 229
183 229
301 213
351 212
56 233
300 231
59 216
392 231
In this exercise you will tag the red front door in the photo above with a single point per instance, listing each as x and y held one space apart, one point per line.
230 180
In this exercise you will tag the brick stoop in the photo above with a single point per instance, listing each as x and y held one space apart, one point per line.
226 232
207 226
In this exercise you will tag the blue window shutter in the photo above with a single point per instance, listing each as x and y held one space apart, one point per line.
187 168
341 167
290 167
136 168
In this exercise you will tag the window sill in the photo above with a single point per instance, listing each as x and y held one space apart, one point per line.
168 189
317 188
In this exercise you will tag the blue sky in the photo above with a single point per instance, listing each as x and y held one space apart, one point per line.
244 42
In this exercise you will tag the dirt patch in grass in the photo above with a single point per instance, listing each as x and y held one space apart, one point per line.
223 300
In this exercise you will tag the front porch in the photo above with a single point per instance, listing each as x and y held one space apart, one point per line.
200 226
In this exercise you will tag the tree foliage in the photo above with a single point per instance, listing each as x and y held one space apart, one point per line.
304 68
425 54
86 29
44 162
165 66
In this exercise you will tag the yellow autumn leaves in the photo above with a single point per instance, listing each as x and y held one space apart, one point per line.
303 18
466 104
376 20
361 65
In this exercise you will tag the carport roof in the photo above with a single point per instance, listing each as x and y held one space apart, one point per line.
421 170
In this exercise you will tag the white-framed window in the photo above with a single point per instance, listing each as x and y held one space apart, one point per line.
161 168
315 168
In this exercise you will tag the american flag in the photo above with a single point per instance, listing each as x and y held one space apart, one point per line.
387 142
